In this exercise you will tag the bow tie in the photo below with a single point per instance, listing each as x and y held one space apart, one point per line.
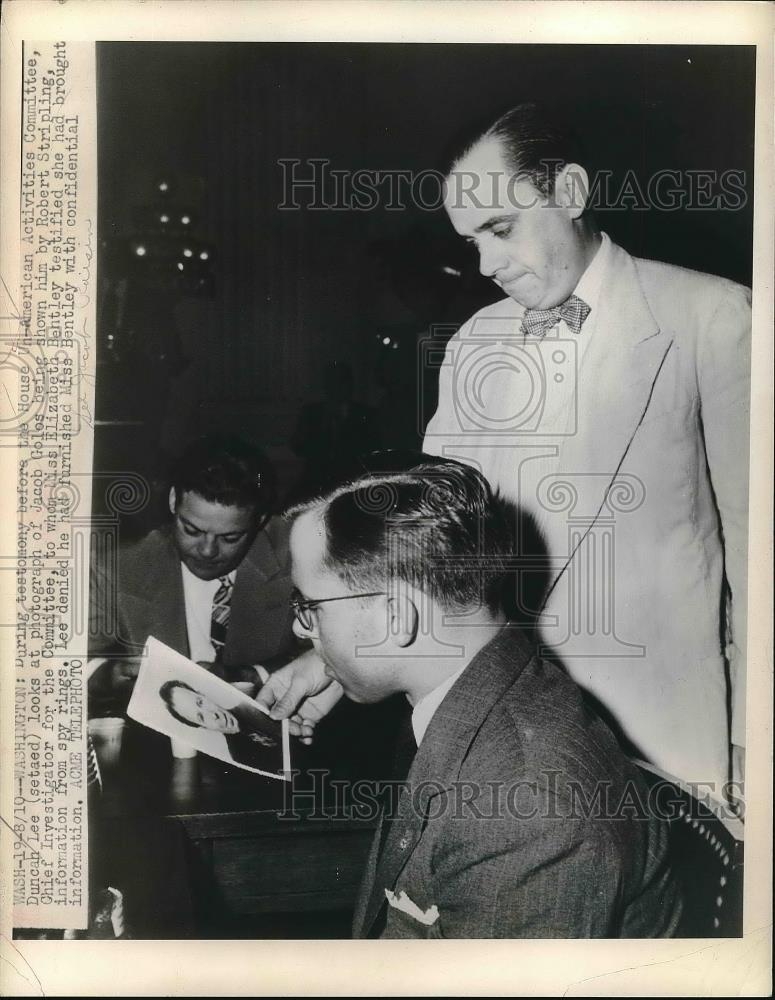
573 311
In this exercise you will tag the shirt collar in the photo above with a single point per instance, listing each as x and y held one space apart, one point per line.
426 707
193 581
589 284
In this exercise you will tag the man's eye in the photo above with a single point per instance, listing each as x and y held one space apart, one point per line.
231 539
503 232
190 531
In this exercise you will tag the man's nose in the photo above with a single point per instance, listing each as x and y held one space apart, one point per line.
209 546
491 259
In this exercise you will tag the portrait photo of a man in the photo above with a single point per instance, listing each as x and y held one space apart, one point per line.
248 731
200 711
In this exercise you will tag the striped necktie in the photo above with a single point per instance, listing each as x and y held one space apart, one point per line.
219 619
536 322
93 776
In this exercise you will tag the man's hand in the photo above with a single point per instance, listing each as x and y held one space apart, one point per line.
302 693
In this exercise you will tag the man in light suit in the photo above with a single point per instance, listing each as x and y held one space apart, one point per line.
513 820
224 556
608 398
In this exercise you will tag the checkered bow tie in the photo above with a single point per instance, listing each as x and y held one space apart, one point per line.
573 311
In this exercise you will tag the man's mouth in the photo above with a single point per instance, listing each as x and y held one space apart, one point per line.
510 279
208 565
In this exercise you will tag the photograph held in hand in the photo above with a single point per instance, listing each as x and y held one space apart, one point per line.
190 704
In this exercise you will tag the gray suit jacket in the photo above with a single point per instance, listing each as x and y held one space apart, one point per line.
143 596
514 819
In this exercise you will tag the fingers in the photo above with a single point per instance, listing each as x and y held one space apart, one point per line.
289 700
273 689
301 728
282 693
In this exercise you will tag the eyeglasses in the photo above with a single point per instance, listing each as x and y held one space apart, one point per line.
302 609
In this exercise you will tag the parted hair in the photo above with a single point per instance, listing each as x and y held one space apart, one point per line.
435 524
165 693
536 140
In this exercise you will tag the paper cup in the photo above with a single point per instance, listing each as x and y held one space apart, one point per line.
182 750
106 736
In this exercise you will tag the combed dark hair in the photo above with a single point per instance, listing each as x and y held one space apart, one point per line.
434 524
165 693
537 142
222 468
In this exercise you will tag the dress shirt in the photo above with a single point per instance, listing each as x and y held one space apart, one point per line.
198 596
561 398
426 707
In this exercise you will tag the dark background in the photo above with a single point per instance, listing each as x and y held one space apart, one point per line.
287 293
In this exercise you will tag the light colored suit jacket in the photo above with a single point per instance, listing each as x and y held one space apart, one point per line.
511 822
645 520
144 596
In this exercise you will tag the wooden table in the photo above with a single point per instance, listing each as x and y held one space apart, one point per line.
203 849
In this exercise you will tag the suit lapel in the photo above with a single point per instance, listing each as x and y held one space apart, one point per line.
616 380
439 759
158 597
258 566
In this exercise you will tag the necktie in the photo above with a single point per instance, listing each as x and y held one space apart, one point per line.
573 311
93 776
403 755
219 619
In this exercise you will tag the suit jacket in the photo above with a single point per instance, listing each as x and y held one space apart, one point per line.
499 826
645 520
144 596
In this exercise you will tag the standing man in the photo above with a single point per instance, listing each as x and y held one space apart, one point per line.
519 815
608 398
213 584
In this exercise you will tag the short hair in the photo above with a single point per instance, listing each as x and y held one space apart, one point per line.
537 143
166 692
224 469
435 524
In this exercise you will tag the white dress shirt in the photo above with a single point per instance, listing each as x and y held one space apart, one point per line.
426 707
562 395
198 596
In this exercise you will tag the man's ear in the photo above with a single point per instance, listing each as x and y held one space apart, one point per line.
403 617
571 189
173 500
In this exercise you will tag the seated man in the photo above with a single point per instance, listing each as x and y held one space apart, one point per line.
213 584
520 816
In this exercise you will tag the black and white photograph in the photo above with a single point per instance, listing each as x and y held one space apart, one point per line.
198 711
419 379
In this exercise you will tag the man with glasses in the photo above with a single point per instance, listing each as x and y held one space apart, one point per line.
514 818
213 584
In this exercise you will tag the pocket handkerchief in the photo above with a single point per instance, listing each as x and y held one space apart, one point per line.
406 905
